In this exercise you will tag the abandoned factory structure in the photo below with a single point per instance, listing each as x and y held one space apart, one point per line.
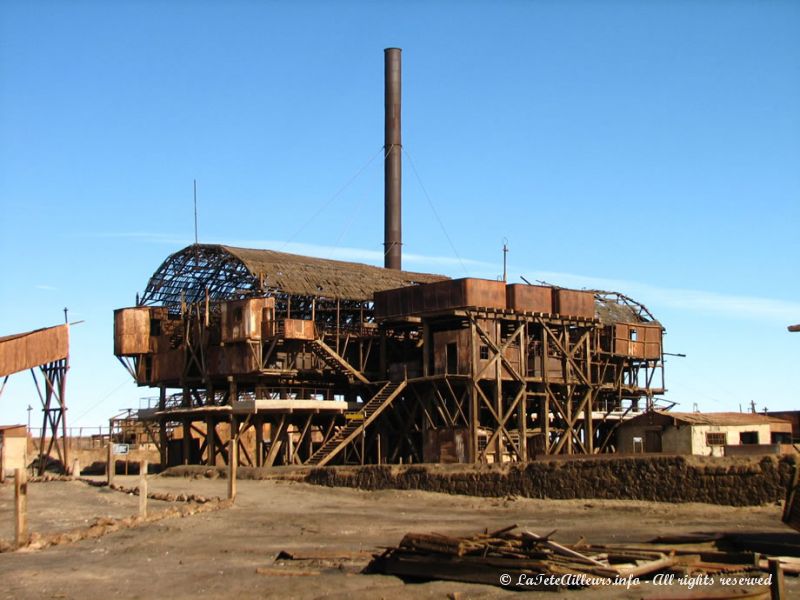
309 361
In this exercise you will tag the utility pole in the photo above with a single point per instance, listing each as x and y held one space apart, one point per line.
505 260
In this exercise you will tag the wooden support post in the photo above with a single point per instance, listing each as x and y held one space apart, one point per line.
588 427
777 588
473 412
522 425
546 418
163 443
75 471
426 349
259 425
143 488
363 445
187 439
233 459
498 390
162 428
211 446
110 464
20 507
289 445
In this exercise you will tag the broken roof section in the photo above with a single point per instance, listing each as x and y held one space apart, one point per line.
228 272
613 307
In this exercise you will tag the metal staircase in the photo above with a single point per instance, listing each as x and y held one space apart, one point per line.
353 429
339 365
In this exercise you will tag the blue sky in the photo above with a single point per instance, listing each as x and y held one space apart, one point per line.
649 147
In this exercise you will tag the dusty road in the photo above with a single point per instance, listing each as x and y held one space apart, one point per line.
218 554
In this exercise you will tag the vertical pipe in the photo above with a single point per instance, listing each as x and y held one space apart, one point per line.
393 152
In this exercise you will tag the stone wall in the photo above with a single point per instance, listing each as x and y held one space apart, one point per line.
736 481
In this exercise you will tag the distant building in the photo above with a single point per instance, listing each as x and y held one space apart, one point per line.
705 434
793 416
13 448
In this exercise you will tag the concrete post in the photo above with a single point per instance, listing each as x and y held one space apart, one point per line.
110 465
143 488
233 460
20 507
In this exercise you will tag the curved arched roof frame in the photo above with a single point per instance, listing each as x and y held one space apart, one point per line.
226 272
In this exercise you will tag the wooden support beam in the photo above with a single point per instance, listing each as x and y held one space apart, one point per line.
211 446
474 412
187 438
162 428
258 422
276 437
233 464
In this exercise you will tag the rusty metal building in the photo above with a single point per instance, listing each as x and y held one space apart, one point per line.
330 361
335 361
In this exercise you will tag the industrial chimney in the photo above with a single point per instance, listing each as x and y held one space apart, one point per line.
393 166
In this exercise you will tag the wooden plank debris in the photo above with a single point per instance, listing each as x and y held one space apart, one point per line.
485 557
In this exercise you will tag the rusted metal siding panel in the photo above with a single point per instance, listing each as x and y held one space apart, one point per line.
298 329
529 298
439 296
132 331
441 340
646 345
484 293
242 320
446 445
573 303
32 349
167 366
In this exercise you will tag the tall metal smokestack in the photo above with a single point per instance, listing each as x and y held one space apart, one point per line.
393 164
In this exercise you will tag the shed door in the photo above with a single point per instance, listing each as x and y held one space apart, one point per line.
451 358
652 441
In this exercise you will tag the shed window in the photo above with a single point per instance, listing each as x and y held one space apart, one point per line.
634 334
748 437
237 314
716 439
484 350
155 327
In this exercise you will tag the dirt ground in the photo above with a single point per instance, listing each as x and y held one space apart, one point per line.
218 554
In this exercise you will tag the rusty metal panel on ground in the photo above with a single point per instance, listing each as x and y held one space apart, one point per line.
24 351
529 298
573 303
